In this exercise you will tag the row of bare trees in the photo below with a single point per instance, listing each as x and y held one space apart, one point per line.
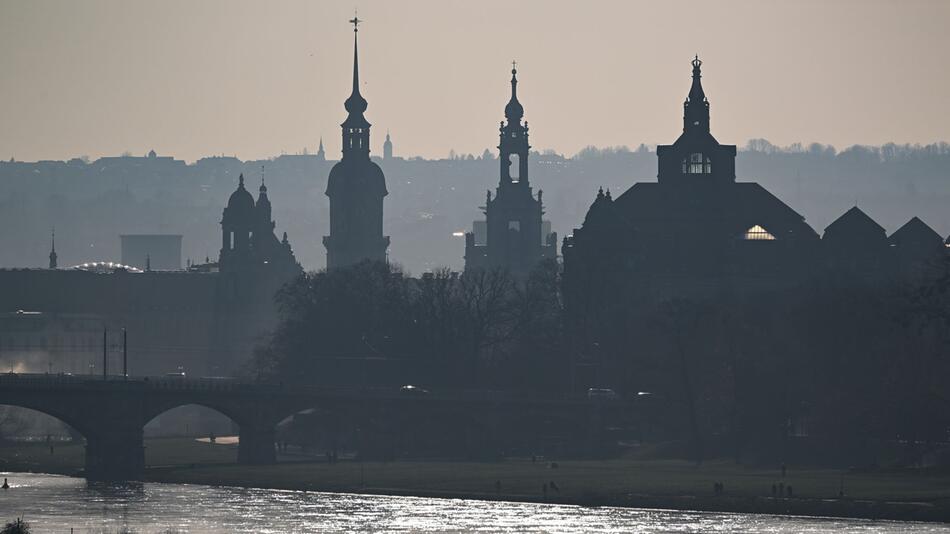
371 323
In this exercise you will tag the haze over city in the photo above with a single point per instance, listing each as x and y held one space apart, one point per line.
302 267
256 79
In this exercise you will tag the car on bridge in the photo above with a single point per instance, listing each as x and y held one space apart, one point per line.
409 389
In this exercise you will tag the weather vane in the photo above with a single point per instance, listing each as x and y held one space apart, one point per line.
514 64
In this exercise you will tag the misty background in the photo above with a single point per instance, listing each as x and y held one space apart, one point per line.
91 203
226 86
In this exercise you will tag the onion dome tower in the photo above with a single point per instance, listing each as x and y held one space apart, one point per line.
516 238
356 187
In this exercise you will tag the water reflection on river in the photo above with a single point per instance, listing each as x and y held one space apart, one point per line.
57 504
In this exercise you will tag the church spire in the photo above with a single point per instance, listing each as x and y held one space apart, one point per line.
514 111
696 107
52 250
356 104
355 127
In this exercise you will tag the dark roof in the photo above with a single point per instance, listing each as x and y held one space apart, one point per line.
742 204
854 224
359 174
915 231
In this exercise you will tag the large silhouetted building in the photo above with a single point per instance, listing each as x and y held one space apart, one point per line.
356 187
206 319
695 231
515 236
697 236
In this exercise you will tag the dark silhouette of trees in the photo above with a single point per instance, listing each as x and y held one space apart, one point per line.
838 370
371 322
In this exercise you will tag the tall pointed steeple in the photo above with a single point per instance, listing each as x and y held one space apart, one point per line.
263 206
356 186
321 154
696 107
355 127
52 250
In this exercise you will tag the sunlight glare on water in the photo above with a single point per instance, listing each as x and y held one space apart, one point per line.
56 504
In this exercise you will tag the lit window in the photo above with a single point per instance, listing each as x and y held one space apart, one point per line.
757 233
514 225
697 164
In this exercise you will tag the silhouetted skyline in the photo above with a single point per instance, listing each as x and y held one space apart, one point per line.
256 79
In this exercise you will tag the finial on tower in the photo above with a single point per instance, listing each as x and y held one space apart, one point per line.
697 62
263 187
241 181
514 111
355 21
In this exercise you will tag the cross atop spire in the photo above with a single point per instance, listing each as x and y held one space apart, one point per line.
355 21
263 187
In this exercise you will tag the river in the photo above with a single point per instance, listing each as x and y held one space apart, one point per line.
52 503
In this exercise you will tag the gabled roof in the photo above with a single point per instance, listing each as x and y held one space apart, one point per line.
854 225
915 232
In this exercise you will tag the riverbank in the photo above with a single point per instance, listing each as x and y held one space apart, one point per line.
670 484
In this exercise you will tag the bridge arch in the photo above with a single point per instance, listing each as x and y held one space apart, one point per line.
76 421
256 423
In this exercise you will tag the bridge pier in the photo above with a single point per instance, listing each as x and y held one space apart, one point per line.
115 454
256 444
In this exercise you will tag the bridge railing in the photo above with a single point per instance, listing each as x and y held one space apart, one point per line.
243 386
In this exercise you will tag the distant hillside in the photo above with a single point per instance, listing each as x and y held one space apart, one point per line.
91 203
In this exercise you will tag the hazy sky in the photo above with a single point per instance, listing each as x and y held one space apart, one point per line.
254 78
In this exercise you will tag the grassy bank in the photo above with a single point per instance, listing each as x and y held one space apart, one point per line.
623 482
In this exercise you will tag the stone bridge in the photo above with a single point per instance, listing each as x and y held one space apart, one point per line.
111 413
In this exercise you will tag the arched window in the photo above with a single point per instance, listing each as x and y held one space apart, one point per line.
757 233
697 164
